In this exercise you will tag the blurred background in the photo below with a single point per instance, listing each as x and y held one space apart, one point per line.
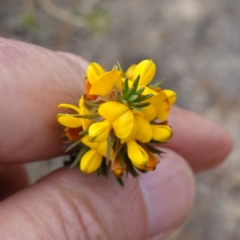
196 46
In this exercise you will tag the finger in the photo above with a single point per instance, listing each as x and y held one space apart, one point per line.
203 143
13 178
69 205
33 82
38 80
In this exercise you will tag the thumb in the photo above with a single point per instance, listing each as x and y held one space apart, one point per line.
70 205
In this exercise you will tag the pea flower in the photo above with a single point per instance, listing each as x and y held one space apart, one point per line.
117 120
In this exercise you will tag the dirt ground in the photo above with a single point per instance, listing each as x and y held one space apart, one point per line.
196 46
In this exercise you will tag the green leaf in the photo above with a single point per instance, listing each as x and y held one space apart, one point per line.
110 142
120 68
153 149
133 89
136 82
133 98
77 160
91 104
73 145
140 105
130 92
140 91
120 181
130 167
143 98
83 133
136 108
119 98
157 84
89 116
117 149
121 158
104 167
142 170
125 88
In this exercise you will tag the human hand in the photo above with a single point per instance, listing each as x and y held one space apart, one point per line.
72 205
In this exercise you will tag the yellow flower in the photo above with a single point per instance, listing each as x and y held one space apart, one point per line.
161 133
141 130
94 71
92 159
69 120
99 131
130 72
137 154
171 95
120 117
102 82
146 69
151 162
101 148
159 107
161 100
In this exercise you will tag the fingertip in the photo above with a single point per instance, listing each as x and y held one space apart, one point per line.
217 143
169 193
222 148
203 143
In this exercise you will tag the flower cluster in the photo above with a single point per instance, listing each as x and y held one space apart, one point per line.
117 120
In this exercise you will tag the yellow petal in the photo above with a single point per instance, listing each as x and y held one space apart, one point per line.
137 154
93 145
130 71
84 111
119 83
90 161
144 133
151 164
104 84
94 71
146 69
171 95
102 149
161 133
99 131
123 125
162 105
132 134
69 121
150 112
112 110
69 106
146 91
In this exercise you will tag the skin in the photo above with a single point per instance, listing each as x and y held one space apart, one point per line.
71 205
